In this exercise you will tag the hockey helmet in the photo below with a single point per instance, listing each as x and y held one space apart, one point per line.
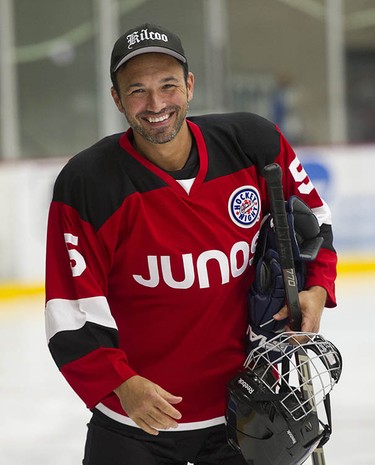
272 415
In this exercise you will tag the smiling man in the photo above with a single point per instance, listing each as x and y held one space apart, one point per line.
150 249
153 93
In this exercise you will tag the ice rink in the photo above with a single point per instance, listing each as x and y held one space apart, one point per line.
44 423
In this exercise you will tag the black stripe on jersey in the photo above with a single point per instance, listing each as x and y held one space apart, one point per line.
236 141
68 346
96 181
327 235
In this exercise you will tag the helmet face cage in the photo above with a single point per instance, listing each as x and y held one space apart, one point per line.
272 414
310 368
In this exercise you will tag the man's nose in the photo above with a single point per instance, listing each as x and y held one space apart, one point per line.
155 102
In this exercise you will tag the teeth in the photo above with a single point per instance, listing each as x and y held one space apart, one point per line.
158 120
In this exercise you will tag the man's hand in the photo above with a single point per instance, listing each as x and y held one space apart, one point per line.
312 303
148 405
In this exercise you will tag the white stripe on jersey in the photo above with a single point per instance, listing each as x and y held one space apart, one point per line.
323 214
67 315
181 426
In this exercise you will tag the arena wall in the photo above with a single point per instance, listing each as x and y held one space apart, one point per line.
343 176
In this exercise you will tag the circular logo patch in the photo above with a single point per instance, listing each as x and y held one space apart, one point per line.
244 206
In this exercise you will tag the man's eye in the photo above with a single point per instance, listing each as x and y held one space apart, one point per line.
137 91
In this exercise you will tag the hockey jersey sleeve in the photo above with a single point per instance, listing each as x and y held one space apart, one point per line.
321 271
81 331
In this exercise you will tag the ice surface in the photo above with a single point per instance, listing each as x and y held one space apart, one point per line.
43 422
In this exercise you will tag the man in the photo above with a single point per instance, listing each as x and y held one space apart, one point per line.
150 237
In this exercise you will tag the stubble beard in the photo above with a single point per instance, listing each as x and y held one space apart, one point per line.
158 135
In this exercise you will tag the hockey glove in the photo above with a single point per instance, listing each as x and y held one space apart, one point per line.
304 230
267 294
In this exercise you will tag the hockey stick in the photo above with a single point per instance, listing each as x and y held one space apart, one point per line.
273 177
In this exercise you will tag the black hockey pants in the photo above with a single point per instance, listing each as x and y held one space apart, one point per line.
112 443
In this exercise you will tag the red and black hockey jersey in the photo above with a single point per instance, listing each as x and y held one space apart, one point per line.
146 278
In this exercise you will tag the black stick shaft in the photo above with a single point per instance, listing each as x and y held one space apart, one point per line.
273 176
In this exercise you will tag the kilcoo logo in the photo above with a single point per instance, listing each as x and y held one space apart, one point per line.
138 36
244 206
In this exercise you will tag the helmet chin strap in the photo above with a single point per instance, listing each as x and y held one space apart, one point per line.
327 429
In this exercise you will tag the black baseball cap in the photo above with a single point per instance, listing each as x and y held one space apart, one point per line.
146 38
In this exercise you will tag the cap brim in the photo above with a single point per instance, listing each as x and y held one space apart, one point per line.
154 49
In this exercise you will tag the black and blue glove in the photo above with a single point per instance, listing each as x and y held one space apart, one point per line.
267 294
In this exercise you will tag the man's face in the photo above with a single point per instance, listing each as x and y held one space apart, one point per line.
154 96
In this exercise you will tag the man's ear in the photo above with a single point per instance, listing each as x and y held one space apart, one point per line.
117 100
190 86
